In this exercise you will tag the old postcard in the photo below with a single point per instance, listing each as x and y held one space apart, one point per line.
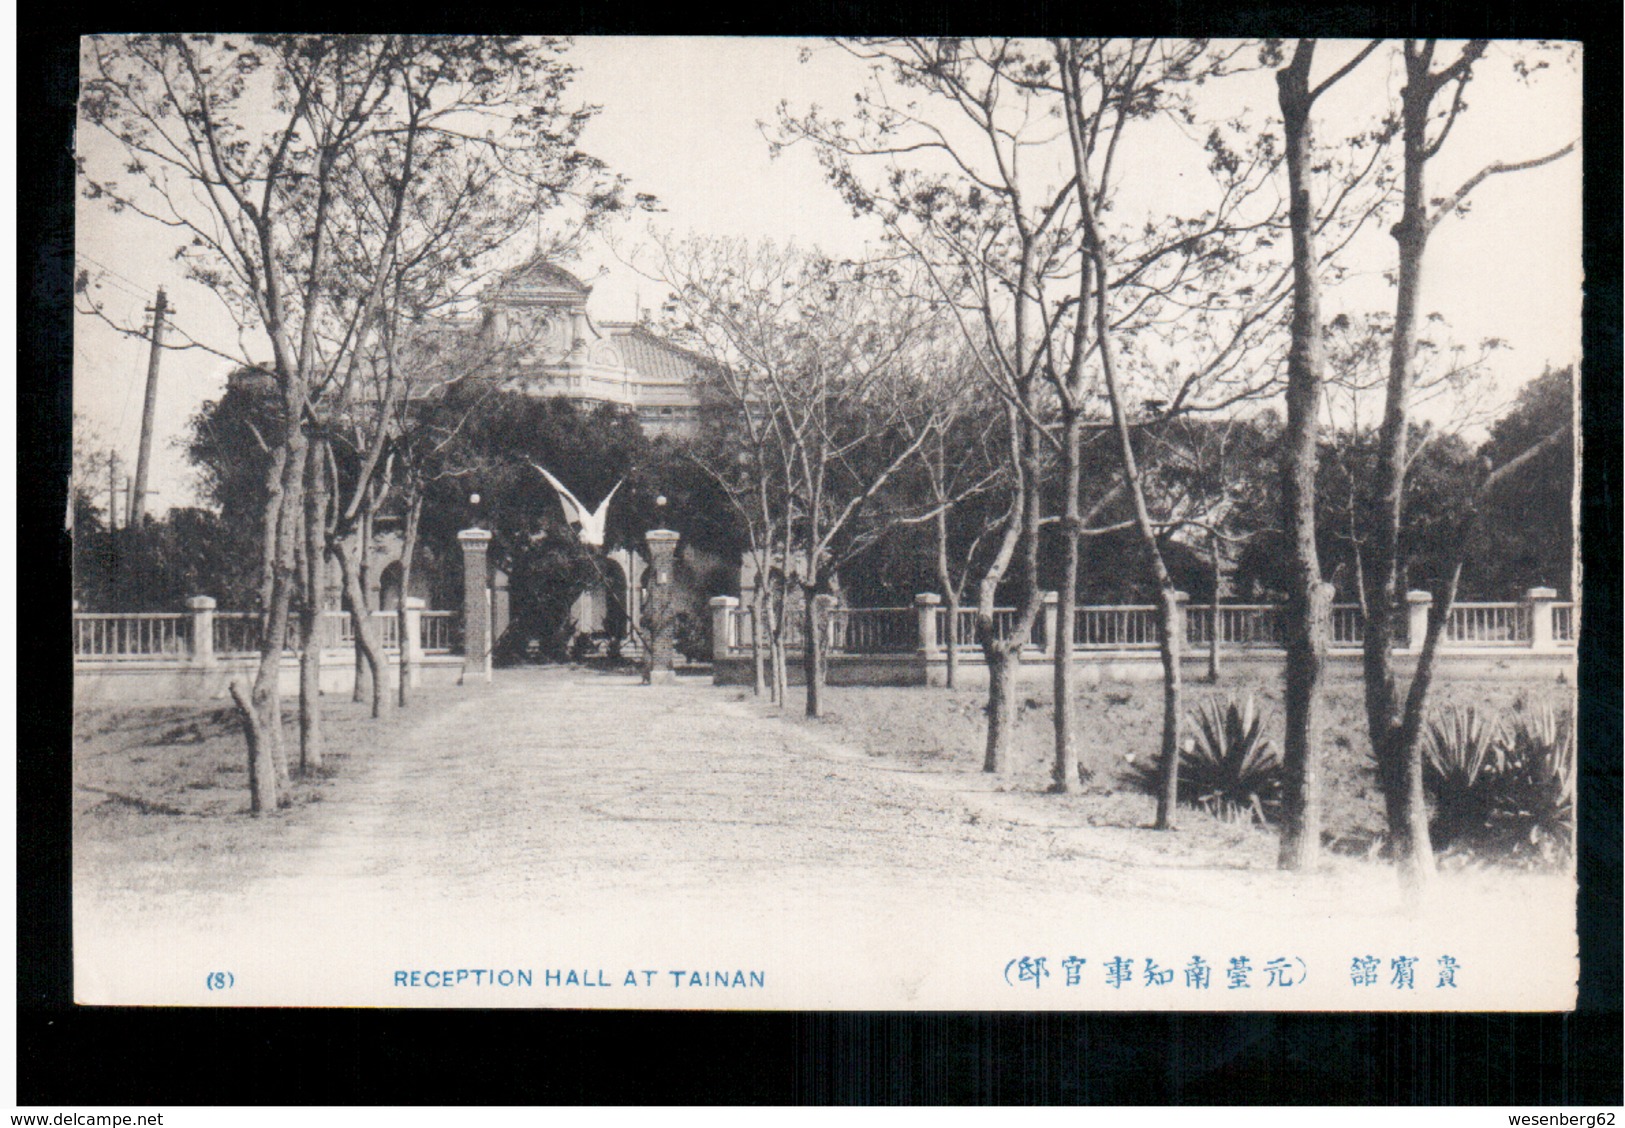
918 524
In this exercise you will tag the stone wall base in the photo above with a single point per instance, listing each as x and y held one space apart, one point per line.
158 683
1110 667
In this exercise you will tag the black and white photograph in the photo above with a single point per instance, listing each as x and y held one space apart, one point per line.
777 524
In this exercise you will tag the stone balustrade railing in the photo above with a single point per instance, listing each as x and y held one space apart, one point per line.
1539 623
201 634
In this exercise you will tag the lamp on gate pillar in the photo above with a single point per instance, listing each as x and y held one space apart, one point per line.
476 544
659 665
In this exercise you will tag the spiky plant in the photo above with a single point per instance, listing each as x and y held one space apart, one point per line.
1228 767
1533 813
1463 760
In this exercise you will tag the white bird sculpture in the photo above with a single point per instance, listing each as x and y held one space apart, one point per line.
590 524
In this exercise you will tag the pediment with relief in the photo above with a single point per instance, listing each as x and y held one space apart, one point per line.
540 334
542 282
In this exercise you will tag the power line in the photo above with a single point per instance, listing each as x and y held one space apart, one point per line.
134 290
143 292
121 289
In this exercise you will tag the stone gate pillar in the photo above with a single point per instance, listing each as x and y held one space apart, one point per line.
1542 638
476 604
1419 604
412 643
1180 622
660 664
724 626
201 608
925 630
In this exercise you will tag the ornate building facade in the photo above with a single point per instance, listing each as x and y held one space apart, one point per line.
536 320
533 334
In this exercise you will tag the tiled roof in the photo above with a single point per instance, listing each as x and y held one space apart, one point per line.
652 359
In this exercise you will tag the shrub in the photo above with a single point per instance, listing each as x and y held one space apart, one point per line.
692 636
1463 753
1504 793
1228 766
1533 817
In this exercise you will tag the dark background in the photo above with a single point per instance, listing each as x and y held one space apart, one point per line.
173 1056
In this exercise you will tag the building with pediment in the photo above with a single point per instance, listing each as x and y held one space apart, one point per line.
535 322
550 345
533 334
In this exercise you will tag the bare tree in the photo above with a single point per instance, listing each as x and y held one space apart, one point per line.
1135 288
947 130
961 464
731 302
823 361
965 193
1307 614
283 164
1395 726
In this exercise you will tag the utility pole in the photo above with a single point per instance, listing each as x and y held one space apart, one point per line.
138 505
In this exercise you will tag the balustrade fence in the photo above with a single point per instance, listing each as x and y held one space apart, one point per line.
1005 622
907 630
1488 624
883 630
103 637
141 635
1563 622
1537 623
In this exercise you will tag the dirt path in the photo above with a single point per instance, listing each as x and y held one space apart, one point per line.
579 818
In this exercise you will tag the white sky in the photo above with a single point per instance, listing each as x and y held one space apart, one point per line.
680 120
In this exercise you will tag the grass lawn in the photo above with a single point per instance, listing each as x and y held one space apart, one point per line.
1121 723
160 794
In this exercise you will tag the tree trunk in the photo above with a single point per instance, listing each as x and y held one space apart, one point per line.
1004 655
1001 705
1064 775
777 618
409 542
361 623
757 656
1171 648
262 790
267 692
1173 640
1216 617
1307 621
813 656
1307 607
365 675
269 519
403 626
781 676
1399 760
310 619
310 691
950 595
